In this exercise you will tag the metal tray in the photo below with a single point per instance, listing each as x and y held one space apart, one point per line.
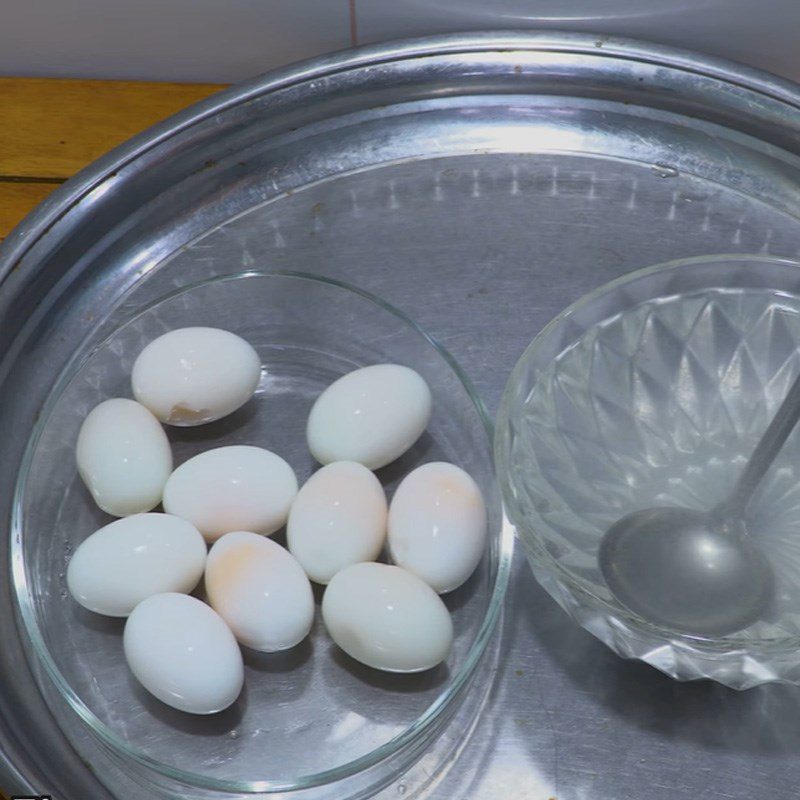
480 183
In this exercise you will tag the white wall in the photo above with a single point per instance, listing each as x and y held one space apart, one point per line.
171 40
763 33
228 40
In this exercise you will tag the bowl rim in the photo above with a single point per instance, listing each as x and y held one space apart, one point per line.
25 603
710 646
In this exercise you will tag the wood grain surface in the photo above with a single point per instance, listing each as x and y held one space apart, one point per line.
51 128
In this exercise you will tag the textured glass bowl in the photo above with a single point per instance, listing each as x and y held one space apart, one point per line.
653 391
311 722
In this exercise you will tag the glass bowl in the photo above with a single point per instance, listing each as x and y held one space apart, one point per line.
310 722
653 391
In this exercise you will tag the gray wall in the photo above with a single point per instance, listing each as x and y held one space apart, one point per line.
228 40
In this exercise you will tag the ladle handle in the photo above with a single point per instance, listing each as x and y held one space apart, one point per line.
768 447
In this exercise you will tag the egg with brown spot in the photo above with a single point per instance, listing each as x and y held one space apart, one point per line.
437 525
338 518
190 376
260 591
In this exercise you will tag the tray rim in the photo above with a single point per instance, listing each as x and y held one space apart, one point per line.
34 227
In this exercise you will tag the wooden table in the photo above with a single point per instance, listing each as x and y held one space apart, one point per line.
51 128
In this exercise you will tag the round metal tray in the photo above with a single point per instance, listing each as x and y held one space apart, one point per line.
479 183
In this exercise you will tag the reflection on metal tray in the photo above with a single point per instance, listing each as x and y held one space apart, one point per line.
481 184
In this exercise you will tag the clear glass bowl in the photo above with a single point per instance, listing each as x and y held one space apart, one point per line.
653 391
311 722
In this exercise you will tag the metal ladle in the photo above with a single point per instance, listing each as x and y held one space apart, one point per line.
698 572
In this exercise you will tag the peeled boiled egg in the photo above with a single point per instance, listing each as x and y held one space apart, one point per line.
437 525
190 376
234 488
123 457
131 559
260 591
387 618
338 518
182 652
371 415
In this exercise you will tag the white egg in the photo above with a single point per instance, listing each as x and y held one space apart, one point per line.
260 591
190 376
123 457
387 618
371 415
338 518
437 525
182 652
235 488
131 559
